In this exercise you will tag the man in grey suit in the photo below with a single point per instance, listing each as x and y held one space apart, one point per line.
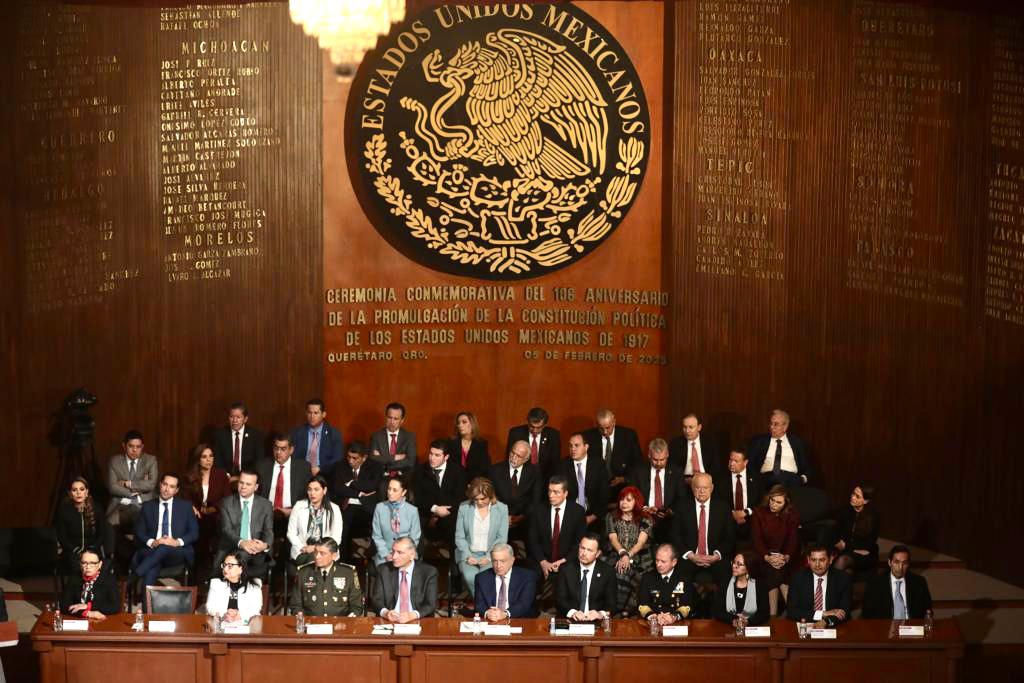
247 526
131 479
406 590
394 447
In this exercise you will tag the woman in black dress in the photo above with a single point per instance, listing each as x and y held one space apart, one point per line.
741 594
79 524
857 525
91 593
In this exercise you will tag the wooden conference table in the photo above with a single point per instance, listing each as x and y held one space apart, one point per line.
865 651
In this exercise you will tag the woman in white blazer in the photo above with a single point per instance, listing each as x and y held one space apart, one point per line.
312 519
482 522
236 596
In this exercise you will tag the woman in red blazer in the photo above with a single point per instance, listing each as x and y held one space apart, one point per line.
206 486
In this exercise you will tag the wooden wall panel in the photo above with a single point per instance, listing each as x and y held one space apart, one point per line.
97 303
877 338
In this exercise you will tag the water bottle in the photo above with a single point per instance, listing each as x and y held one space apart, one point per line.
218 624
58 618
740 624
929 622
477 626
140 622
300 622
801 629
606 623
551 626
655 626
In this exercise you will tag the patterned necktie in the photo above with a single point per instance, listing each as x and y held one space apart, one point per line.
396 522
236 458
702 532
777 465
658 499
534 453
403 593
738 498
279 490
581 496
165 526
314 450
583 591
819 596
244 535
899 607
503 595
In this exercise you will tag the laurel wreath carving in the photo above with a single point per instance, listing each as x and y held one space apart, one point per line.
593 227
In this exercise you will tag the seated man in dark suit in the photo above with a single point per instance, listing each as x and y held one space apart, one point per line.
703 530
659 485
283 481
779 457
586 589
742 490
519 485
356 490
588 481
555 529
439 488
666 596
236 445
392 446
898 593
247 526
165 532
406 590
543 442
504 592
616 447
819 594
693 452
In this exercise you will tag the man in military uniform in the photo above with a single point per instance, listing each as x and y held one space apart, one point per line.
327 588
665 596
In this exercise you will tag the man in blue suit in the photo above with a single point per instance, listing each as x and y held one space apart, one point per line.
502 593
317 442
165 532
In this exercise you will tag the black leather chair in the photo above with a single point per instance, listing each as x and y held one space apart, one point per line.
170 600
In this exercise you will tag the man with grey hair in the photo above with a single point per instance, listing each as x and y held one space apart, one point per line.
503 591
406 589
614 445
779 456
660 485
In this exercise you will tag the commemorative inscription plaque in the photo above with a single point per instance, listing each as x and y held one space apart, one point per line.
500 142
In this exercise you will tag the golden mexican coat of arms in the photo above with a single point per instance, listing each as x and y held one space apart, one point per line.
498 141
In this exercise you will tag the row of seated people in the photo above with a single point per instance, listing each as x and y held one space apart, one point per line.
777 457
165 532
406 589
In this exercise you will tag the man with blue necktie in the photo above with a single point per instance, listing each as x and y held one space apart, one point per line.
588 481
165 532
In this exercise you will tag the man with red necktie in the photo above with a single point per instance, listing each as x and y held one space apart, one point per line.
742 490
237 445
819 594
283 481
694 451
393 446
660 485
703 532
544 442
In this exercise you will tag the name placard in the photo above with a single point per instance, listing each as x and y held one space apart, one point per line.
581 629
235 627
76 624
320 629
911 631
757 631
675 631
161 626
823 634
407 629
497 630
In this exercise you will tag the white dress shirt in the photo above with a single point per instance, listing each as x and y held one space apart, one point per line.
241 507
824 594
160 521
286 500
440 479
650 496
398 591
788 458
707 526
589 568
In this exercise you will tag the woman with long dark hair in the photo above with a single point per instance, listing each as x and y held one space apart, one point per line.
79 525
857 526
313 518
205 486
